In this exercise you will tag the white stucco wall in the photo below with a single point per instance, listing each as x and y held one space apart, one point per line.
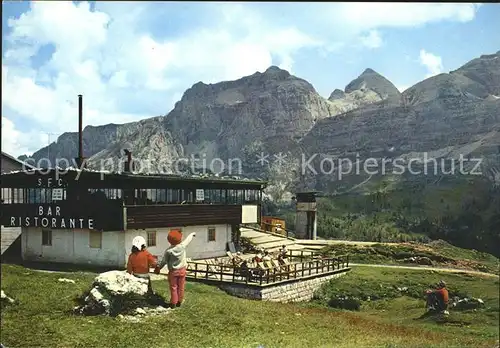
72 246
199 248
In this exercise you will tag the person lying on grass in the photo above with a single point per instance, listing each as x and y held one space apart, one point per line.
140 261
175 259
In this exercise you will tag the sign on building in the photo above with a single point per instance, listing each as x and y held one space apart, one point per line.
306 206
200 194
51 217
57 194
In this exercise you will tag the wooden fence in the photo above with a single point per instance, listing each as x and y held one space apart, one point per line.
267 272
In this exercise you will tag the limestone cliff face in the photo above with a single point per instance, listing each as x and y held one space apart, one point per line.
106 141
65 148
150 143
425 127
220 120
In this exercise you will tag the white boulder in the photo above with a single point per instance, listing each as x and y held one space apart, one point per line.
119 283
65 280
117 292
3 296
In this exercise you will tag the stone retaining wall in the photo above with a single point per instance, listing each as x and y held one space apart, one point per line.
291 291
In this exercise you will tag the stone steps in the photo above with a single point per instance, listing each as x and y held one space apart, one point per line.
278 244
269 242
267 239
273 242
249 233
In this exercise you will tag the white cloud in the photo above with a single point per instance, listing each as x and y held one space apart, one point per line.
90 45
365 16
128 71
372 39
16 143
433 63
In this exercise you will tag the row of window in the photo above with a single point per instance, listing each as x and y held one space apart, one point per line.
177 196
151 239
35 195
139 196
95 238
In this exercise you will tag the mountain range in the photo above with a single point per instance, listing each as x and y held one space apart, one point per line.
277 113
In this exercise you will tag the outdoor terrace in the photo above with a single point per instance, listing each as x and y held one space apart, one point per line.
296 266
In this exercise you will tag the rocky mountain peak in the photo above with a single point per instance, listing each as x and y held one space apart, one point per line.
223 118
336 94
256 82
273 69
484 70
368 88
198 90
276 73
477 79
371 80
369 71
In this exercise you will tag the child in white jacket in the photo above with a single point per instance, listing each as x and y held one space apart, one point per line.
176 261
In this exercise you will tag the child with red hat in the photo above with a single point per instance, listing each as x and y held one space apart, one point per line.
176 261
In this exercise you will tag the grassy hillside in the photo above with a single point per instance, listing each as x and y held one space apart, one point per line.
437 253
395 295
464 211
211 318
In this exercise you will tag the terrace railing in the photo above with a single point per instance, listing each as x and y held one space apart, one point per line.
267 272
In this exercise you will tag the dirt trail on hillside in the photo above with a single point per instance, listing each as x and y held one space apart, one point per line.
424 268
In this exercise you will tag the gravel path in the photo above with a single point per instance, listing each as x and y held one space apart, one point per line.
425 268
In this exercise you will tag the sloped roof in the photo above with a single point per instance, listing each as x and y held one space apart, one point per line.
27 165
96 174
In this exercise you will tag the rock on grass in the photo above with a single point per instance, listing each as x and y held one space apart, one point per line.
6 298
117 292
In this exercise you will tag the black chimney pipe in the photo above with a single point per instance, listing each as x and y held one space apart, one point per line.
80 159
80 129
128 165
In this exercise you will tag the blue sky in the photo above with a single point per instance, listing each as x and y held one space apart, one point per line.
133 60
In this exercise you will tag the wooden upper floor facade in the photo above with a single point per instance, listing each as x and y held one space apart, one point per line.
53 198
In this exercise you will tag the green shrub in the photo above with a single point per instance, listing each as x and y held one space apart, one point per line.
349 303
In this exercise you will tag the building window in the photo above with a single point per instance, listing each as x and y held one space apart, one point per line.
40 195
151 238
251 196
211 234
109 193
6 195
47 237
95 239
